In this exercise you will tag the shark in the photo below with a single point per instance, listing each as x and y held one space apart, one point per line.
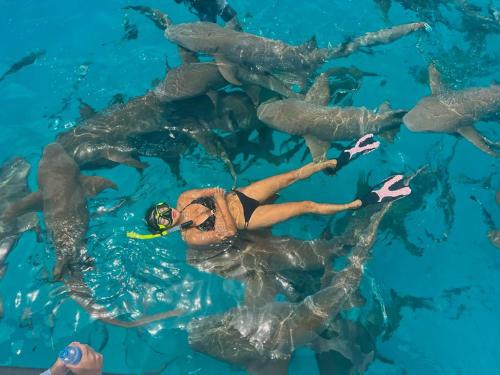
320 124
228 44
22 63
261 337
109 138
456 111
13 186
62 196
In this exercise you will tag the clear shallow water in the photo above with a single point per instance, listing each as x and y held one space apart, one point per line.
458 334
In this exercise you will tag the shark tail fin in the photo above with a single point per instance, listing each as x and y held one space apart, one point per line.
144 320
81 294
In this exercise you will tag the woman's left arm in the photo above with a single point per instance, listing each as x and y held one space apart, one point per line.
224 222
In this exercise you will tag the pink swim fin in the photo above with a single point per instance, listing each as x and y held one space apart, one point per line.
362 146
390 189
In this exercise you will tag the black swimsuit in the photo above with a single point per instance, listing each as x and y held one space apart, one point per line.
208 202
249 206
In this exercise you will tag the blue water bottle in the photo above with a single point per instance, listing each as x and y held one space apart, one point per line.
71 355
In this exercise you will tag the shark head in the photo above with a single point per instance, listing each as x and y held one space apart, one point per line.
428 115
195 36
270 112
53 150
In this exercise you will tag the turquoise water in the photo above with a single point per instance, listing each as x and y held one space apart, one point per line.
458 268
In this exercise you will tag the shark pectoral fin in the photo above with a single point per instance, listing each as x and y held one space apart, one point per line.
253 92
489 142
187 56
125 158
228 71
317 147
93 185
213 95
31 202
474 137
435 81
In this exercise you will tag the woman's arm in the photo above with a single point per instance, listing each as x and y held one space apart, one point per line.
224 222
193 236
190 195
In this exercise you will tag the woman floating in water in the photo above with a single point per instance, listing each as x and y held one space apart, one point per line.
207 216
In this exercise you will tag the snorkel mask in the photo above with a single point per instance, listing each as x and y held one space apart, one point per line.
153 217
154 221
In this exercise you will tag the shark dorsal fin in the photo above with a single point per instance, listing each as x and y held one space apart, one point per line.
86 111
435 81
310 45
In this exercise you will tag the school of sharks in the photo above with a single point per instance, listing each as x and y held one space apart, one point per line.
231 85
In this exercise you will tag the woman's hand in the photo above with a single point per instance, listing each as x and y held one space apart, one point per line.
219 192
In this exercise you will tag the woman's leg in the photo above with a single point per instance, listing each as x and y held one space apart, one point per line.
266 188
270 214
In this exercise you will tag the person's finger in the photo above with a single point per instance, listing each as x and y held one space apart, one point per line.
85 350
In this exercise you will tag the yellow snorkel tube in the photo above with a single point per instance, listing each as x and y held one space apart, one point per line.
138 236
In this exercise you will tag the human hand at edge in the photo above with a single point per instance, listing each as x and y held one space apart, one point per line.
91 362
58 368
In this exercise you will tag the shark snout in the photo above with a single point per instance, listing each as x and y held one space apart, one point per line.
53 149
267 110
411 121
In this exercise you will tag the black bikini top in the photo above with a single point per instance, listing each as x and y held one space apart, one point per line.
208 202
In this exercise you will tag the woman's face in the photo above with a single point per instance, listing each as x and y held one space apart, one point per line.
174 214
